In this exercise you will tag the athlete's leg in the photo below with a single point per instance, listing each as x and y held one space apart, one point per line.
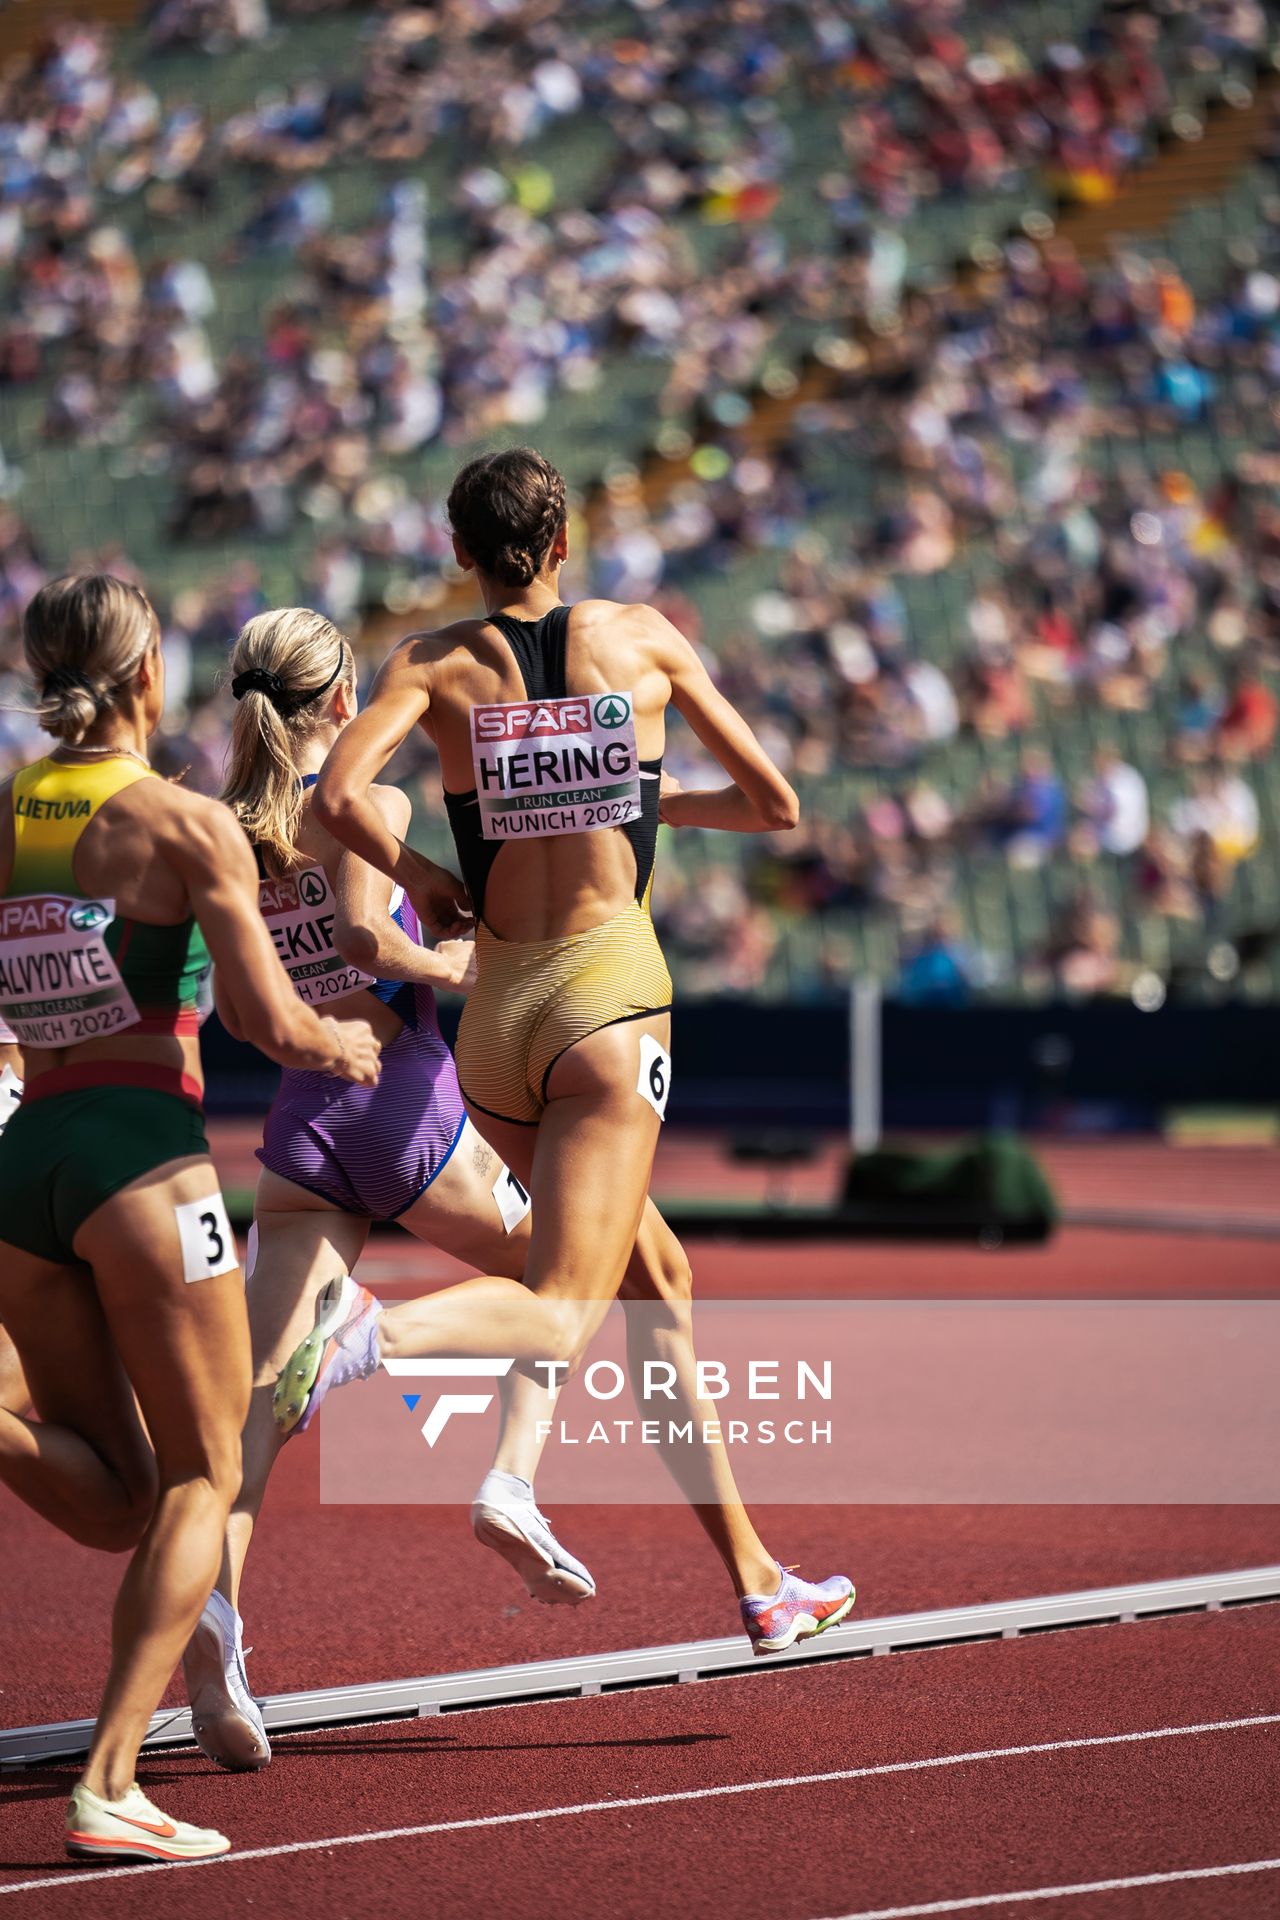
15 1394
185 1347
588 1179
298 1244
85 1464
460 1213
658 1278
471 1209
777 1607
465 1212
658 1295
302 1242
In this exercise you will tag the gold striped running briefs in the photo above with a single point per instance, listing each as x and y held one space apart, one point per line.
533 999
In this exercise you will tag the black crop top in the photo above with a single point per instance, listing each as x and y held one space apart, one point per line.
539 647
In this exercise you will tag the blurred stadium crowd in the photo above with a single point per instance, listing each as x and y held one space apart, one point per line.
1000 587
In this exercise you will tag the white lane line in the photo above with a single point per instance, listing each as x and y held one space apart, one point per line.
1058 1893
92 1875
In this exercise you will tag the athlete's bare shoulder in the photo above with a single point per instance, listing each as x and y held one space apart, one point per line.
192 828
630 617
430 649
627 624
613 613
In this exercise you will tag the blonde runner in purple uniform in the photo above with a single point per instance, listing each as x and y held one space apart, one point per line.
336 1157
549 723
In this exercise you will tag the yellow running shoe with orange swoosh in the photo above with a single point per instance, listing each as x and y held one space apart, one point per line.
132 1829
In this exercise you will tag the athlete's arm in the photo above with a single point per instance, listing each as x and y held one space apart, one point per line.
759 799
209 852
343 802
224 1009
363 931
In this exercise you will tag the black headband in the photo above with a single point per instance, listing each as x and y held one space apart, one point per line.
285 700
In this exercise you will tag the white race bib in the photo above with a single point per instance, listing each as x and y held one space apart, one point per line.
555 766
205 1236
299 911
512 1199
11 1097
654 1083
58 983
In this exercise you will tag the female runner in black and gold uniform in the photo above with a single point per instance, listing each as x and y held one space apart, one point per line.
549 723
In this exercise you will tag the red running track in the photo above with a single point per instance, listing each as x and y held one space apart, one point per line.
1119 1174
1078 1263
961 1774
335 1596
658 1580
855 1846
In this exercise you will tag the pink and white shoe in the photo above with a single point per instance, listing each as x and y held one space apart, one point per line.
798 1610
341 1346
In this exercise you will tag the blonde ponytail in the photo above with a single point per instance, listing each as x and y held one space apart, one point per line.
280 666
84 636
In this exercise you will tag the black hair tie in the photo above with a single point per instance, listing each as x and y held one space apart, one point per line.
259 680
286 700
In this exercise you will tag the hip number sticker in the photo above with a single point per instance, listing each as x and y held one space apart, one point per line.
654 1084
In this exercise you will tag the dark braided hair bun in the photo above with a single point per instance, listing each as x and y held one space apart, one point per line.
506 509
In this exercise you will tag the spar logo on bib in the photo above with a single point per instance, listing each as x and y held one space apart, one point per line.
89 917
555 766
59 983
522 720
301 913
34 913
